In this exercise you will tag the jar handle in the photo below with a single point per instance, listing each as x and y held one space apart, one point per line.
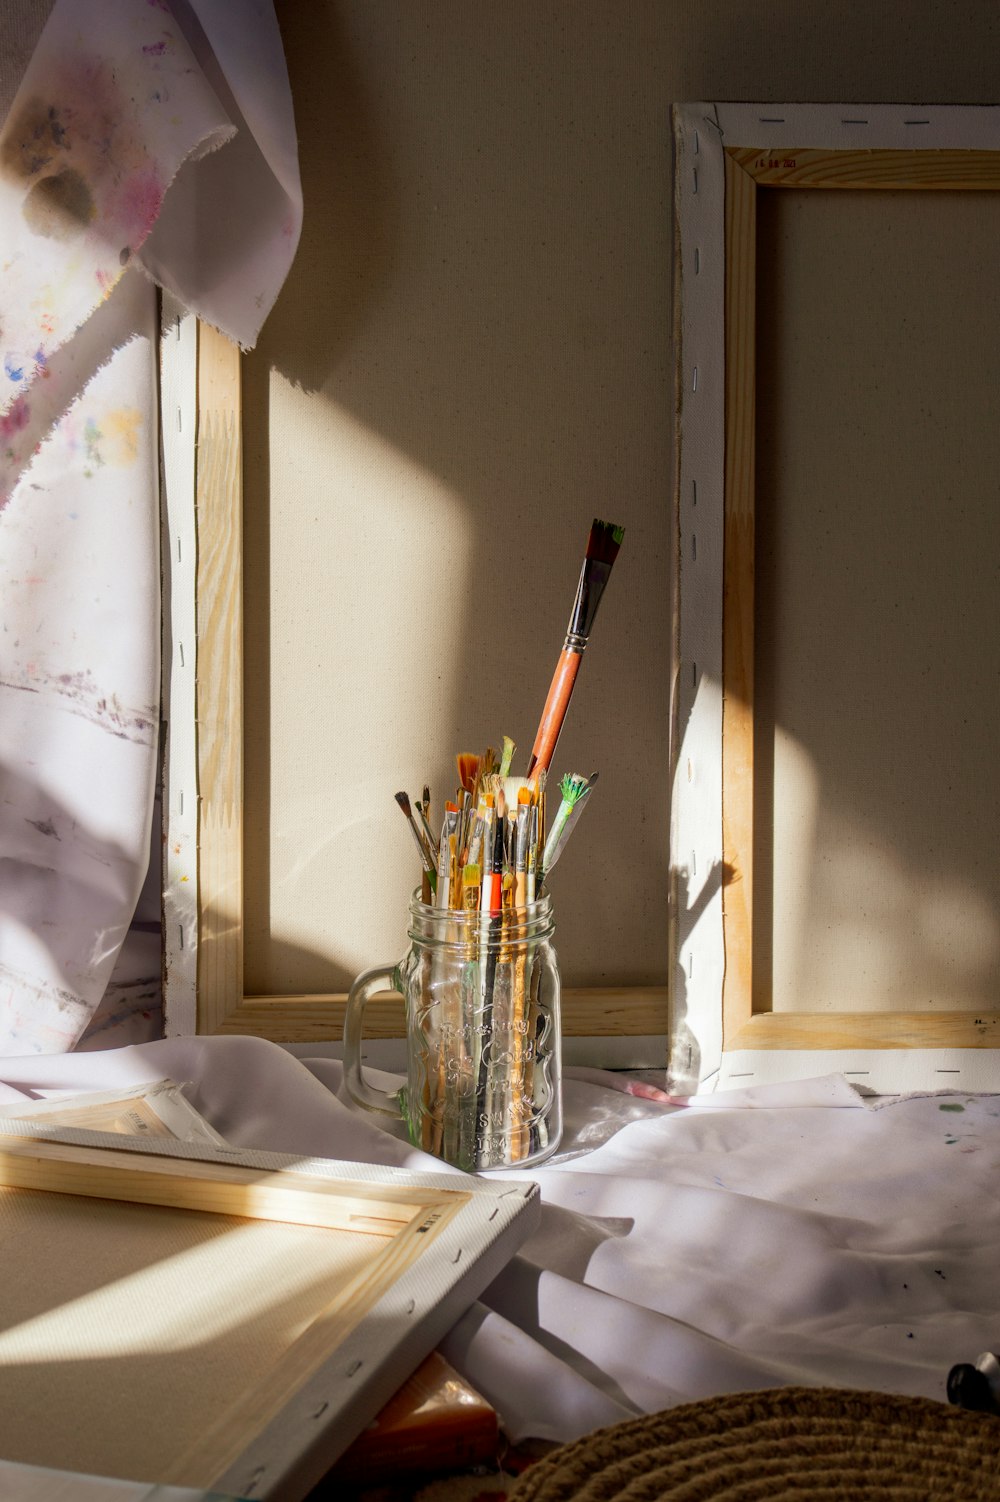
365 987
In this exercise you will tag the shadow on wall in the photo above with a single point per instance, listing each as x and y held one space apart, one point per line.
483 284
877 553
351 232
483 288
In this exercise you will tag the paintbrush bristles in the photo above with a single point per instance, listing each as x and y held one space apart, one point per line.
507 756
602 550
604 541
574 789
426 859
468 770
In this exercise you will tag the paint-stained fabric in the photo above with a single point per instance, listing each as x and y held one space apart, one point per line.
149 141
797 1234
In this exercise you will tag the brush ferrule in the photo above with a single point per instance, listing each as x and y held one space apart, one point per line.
593 577
575 643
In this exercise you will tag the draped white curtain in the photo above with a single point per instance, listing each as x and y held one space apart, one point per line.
147 142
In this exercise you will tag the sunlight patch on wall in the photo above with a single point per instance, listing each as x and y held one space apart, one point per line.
371 579
860 927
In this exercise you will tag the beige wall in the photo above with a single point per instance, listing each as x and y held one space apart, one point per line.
878 565
470 361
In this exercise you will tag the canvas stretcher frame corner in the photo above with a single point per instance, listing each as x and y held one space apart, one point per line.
724 154
280 1425
202 651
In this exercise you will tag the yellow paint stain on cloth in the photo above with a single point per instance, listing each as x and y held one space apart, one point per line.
120 435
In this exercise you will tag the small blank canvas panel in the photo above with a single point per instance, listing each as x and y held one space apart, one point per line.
128 1331
877 566
206 1316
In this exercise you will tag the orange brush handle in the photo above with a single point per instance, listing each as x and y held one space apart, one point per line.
554 712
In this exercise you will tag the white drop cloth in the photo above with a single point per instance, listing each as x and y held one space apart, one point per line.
785 1234
148 141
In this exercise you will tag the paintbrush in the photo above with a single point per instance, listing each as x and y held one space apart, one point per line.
471 881
522 832
446 857
468 770
426 860
428 832
533 856
425 814
506 757
491 903
574 790
602 550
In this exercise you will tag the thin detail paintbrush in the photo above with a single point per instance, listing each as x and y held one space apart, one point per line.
602 550
465 810
432 844
425 814
532 871
540 833
474 853
491 903
519 1134
446 857
426 859
521 848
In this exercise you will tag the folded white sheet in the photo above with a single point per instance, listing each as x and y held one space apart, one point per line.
789 1234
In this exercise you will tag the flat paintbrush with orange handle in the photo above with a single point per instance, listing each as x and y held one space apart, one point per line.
602 550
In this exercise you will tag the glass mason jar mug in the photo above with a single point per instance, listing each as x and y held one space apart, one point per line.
484 1043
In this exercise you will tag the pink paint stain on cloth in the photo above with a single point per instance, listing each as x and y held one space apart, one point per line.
86 154
138 205
15 418
116 99
119 96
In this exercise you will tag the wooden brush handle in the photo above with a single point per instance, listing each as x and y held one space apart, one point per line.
554 712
